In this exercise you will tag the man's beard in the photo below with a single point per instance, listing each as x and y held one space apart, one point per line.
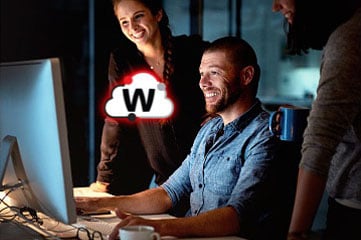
224 102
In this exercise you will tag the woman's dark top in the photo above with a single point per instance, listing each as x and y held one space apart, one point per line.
127 151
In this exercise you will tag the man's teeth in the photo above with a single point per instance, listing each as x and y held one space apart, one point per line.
211 94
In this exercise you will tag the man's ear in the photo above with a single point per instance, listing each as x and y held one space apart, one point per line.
247 74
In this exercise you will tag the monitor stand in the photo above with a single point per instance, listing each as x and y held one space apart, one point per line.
13 178
9 148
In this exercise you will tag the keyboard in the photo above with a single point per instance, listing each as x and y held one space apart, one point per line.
88 192
53 229
106 223
101 224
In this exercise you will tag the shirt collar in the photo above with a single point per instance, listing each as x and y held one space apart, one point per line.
243 120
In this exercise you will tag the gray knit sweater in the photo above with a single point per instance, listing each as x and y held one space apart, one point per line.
332 140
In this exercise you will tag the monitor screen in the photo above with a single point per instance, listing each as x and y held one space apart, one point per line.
34 154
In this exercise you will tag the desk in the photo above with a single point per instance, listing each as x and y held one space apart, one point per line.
13 230
112 219
19 228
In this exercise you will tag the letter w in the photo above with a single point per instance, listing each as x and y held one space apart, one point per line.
138 93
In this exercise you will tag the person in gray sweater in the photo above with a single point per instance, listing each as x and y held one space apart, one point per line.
331 151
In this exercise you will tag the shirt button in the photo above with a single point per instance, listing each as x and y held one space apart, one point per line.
200 185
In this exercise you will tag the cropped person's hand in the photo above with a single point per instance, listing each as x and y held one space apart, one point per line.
99 186
277 118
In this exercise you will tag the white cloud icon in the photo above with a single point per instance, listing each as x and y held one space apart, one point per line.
144 97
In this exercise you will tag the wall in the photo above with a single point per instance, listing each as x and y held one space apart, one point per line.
41 29
63 28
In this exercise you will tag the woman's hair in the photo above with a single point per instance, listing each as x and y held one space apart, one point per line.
155 6
314 21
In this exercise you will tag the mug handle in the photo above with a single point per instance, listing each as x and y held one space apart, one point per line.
272 124
155 236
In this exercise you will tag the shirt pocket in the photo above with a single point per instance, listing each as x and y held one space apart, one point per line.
223 174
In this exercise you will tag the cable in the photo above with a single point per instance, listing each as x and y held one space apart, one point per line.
29 217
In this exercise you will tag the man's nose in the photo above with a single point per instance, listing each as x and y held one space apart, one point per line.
204 81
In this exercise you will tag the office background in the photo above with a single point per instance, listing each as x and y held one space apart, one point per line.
83 32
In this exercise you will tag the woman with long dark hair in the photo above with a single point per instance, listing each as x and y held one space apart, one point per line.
331 151
126 149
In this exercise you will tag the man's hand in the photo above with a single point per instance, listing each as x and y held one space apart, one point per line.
85 205
128 220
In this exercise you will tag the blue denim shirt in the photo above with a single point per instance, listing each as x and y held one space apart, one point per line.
229 165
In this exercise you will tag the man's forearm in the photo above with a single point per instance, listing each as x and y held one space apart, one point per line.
150 201
219 222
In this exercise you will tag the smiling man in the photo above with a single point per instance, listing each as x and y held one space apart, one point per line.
232 172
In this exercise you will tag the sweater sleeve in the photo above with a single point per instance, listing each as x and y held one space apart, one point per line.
336 110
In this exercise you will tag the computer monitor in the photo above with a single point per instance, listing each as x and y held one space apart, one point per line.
34 154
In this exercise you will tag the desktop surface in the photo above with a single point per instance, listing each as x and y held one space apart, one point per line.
97 222
12 230
78 231
93 225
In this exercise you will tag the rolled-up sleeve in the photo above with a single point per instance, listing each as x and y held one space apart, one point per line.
178 184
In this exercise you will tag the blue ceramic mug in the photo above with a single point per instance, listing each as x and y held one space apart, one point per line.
289 123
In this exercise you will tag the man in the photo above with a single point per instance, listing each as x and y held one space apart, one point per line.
232 173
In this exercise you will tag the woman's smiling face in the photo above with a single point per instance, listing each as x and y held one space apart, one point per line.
137 22
286 7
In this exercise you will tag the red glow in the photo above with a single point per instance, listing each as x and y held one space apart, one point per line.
126 81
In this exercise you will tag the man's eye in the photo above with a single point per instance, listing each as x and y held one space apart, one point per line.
214 73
